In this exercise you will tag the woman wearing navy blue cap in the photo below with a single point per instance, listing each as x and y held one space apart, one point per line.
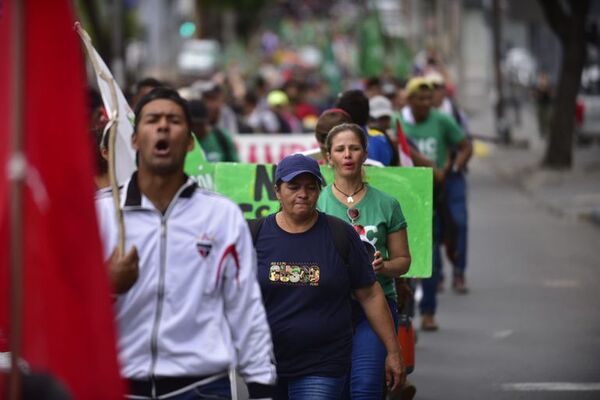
307 276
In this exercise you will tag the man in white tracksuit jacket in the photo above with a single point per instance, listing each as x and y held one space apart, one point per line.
188 306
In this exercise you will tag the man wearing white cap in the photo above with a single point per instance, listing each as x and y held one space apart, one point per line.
380 121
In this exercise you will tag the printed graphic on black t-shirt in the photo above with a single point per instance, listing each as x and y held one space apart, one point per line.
306 288
282 273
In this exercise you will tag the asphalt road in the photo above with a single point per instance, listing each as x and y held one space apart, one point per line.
530 327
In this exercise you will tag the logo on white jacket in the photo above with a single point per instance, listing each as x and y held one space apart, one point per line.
204 245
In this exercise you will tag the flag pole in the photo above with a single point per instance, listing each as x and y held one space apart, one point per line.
112 137
17 170
112 170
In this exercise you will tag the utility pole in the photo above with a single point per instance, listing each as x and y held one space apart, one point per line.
502 126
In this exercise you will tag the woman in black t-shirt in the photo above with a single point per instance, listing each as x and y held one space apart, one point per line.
307 282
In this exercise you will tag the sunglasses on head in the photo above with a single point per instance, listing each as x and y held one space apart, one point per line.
353 214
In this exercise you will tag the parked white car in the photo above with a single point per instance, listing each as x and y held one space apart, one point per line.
588 105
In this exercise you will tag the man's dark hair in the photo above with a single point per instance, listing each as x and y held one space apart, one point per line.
148 82
101 142
355 103
251 98
373 82
166 94
198 110
260 83
94 99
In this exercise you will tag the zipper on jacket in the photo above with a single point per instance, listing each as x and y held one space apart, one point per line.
159 301
161 289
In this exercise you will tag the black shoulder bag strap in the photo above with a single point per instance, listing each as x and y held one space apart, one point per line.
255 225
340 237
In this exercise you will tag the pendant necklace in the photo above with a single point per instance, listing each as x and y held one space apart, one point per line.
349 198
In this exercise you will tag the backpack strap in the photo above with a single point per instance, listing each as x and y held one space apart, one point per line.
255 225
336 225
340 236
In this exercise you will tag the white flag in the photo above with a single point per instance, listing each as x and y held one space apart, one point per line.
124 152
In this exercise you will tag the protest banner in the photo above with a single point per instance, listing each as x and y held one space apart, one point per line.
251 186
269 149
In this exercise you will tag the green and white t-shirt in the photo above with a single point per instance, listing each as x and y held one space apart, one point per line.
214 150
379 215
434 136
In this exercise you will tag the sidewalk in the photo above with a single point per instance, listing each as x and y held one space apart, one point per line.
573 194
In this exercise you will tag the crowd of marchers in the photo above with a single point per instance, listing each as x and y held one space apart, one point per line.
301 303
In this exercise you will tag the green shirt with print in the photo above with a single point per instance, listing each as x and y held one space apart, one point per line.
379 215
213 145
434 136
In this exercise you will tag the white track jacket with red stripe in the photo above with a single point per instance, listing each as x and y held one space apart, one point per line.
196 308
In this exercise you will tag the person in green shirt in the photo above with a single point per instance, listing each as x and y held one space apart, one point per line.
434 134
216 143
378 219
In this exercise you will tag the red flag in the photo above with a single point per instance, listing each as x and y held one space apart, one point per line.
68 326
403 148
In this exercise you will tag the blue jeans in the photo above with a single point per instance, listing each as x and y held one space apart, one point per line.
456 202
217 390
367 375
310 388
428 303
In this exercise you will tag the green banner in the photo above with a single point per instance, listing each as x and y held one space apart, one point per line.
251 186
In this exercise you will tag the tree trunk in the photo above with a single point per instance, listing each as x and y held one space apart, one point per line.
559 153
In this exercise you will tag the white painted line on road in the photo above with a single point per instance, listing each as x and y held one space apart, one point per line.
561 283
552 387
502 334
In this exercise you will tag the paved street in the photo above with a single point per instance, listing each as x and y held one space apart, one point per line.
532 314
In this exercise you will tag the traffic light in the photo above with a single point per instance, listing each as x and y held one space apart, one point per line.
187 29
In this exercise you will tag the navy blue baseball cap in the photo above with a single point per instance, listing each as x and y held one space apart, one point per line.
296 164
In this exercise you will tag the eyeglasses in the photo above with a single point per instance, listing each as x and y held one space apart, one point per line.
353 214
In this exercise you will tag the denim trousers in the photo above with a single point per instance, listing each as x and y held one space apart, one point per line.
217 390
310 388
367 374
456 203
428 302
